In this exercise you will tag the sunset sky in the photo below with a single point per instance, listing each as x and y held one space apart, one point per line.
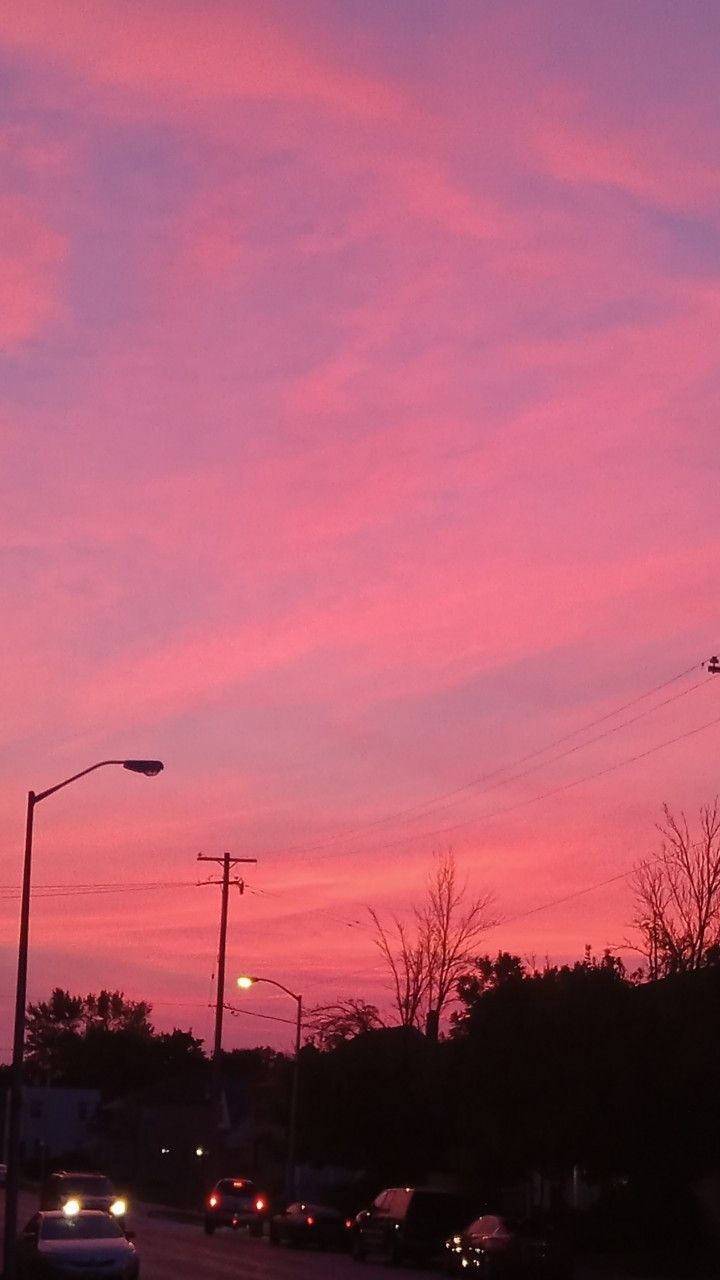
358 436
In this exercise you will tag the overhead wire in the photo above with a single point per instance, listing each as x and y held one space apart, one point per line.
580 746
435 802
71 889
253 1013
8 892
552 791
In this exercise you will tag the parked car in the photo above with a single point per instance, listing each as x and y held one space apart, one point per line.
410 1223
88 1190
311 1224
236 1202
89 1242
497 1246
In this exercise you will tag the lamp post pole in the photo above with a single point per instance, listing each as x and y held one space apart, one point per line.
244 983
12 1138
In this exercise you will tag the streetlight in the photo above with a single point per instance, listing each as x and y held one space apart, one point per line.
150 768
245 983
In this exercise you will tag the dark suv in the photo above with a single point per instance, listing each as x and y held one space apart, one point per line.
410 1223
236 1202
91 1190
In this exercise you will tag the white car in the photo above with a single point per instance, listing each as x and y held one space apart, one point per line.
89 1242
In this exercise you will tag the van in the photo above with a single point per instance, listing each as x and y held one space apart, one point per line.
410 1224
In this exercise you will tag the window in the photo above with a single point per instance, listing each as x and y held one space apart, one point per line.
398 1200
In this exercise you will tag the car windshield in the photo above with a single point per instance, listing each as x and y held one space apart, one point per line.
87 1184
82 1227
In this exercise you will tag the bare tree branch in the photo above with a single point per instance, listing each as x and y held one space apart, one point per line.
328 1025
425 963
677 895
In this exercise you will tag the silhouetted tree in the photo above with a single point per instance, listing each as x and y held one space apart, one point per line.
540 1062
677 896
104 1041
328 1025
427 957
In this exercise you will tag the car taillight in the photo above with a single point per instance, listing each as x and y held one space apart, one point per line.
212 1202
310 1221
259 1204
348 1223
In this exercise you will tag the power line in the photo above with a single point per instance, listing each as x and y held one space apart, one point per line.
552 791
579 746
434 802
252 1013
8 892
556 902
316 911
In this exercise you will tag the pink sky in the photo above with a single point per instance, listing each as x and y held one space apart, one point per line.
358 434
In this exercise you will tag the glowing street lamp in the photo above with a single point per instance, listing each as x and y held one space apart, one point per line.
245 982
150 768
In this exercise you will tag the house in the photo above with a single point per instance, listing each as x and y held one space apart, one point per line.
56 1122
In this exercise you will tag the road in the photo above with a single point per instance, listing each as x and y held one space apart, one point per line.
170 1250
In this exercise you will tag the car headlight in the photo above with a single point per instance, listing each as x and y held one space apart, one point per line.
71 1208
118 1208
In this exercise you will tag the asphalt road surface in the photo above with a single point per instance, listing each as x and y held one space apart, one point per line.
170 1250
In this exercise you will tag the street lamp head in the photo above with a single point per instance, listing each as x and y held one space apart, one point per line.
246 982
151 768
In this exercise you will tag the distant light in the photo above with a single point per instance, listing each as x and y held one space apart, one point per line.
212 1201
164 1151
118 1208
71 1208
200 1151
259 1204
310 1221
246 983
238 1184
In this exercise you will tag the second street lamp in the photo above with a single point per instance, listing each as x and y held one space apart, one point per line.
245 982
150 768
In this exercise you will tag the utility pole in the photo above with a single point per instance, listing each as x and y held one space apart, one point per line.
227 863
